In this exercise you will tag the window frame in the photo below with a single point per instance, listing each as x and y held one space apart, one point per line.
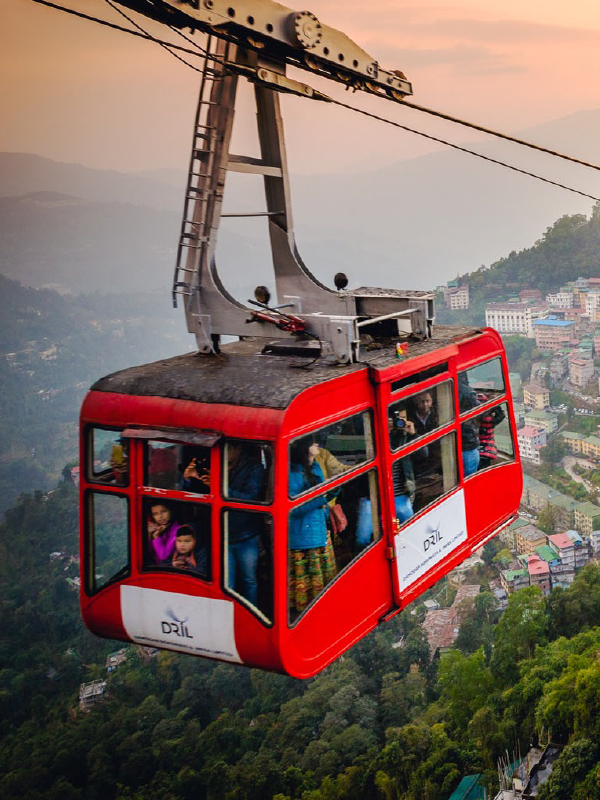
270 475
464 414
299 500
156 496
398 455
254 610
89 455
413 393
351 469
90 541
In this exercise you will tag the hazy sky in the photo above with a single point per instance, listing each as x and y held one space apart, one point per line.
73 91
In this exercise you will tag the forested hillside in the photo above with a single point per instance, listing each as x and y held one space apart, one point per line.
52 347
382 722
569 248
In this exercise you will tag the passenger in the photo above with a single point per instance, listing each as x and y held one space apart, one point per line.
312 558
162 531
187 554
119 464
422 412
401 431
467 399
246 480
196 475
488 452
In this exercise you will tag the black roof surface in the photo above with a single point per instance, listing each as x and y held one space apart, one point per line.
241 375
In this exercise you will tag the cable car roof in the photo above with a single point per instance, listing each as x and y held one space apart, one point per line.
242 375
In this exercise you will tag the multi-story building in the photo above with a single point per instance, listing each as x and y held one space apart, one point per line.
546 420
456 297
595 543
565 547
561 299
573 440
538 496
559 366
581 371
509 535
592 305
553 334
531 440
586 517
509 318
528 538
514 579
536 396
590 447
582 549
539 573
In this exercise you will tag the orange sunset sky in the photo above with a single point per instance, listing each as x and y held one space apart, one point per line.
73 91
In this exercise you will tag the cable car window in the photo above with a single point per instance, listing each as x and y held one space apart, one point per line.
485 379
490 433
424 475
335 448
108 457
327 533
177 466
420 414
108 528
248 559
423 375
247 471
177 535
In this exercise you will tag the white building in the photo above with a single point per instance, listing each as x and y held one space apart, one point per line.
531 440
562 299
457 297
592 305
509 318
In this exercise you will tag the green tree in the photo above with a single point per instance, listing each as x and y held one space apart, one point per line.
522 627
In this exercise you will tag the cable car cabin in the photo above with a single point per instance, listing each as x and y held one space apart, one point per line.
236 508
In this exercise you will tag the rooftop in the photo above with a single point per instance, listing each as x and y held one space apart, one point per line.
561 540
511 574
541 414
553 323
537 566
546 553
243 375
587 508
529 430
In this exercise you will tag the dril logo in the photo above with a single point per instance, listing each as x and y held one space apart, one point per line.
177 627
434 537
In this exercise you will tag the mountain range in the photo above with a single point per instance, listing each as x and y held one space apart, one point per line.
413 224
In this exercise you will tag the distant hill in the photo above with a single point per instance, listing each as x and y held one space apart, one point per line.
568 249
413 223
22 173
49 238
52 348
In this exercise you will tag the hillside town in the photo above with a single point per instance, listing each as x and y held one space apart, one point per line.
558 429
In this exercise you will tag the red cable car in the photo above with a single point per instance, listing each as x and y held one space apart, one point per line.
415 506
269 502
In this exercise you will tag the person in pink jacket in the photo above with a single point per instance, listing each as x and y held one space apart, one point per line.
162 531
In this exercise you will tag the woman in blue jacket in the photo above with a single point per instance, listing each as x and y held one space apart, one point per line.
312 558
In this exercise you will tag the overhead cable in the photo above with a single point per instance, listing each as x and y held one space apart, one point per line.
119 28
506 136
162 44
169 46
463 149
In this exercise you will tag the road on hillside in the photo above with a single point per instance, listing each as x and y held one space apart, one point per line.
569 462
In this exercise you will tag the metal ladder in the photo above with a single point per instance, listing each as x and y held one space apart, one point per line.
194 236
